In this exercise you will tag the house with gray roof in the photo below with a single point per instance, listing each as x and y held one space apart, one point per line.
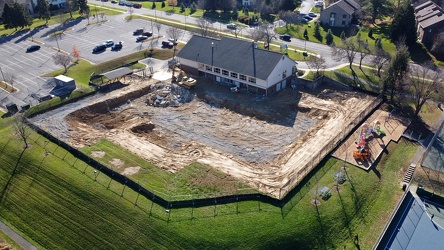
340 13
236 62
429 21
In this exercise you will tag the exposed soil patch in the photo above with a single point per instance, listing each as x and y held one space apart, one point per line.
269 143
98 154
130 171
116 162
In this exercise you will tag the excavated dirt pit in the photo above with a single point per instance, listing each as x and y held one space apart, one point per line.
262 141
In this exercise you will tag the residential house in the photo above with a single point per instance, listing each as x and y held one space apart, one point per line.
236 62
340 13
429 21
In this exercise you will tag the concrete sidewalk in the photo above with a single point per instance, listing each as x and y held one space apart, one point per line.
16 237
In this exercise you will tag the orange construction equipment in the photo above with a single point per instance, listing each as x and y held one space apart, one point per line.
362 154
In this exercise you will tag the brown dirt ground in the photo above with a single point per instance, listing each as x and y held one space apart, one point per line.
265 142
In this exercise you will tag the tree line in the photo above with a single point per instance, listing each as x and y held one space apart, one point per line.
17 16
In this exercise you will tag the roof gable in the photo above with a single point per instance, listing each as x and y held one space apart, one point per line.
231 54
348 6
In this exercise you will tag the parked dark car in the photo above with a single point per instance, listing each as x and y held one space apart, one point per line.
141 38
99 48
122 3
113 1
138 32
137 5
33 48
285 37
167 44
117 46
147 33
129 4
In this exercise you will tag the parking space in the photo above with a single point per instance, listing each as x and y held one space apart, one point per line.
29 66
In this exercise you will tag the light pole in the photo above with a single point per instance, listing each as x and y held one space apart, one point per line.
185 22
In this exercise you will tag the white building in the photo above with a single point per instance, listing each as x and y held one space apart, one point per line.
236 62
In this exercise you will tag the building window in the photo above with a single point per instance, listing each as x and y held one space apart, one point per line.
252 79
217 70
234 75
344 16
332 15
284 74
209 68
243 77
224 72
343 22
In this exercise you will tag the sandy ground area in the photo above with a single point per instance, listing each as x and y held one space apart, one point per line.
265 142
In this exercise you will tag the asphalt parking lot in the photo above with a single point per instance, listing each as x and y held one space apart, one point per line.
28 67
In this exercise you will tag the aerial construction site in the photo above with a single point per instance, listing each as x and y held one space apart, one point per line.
270 143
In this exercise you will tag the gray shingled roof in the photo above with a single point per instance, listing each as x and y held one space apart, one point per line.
349 6
231 54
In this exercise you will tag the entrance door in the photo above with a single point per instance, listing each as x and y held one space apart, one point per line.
278 87
284 83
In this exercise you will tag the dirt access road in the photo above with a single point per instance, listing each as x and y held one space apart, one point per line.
264 142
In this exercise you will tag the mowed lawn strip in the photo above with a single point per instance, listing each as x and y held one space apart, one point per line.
54 201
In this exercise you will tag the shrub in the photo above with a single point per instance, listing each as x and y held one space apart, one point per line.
329 37
340 177
324 193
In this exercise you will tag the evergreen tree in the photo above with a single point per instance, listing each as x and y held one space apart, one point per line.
306 34
329 37
317 30
163 4
83 6
21 17
370 33
7 17
343 37
404 25
72 5
235 13
182 8
193 8
43 10
153 6
378 43
287 5
393 77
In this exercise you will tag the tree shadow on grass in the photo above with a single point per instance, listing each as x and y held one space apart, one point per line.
3 193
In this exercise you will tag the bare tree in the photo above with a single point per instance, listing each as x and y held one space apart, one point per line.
236 31
21 129
10 79
62 59
423 82
348 51
380 59
158 26
204 27
268 34
256 34
131 12
75 52
102 15
174 33
87 14
317 63
364 49
289 17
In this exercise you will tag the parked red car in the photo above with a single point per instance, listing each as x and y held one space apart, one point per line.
137 5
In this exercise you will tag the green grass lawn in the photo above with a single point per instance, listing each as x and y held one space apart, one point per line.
56 201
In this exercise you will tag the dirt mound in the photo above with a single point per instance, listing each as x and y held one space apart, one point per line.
166 95
143 128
